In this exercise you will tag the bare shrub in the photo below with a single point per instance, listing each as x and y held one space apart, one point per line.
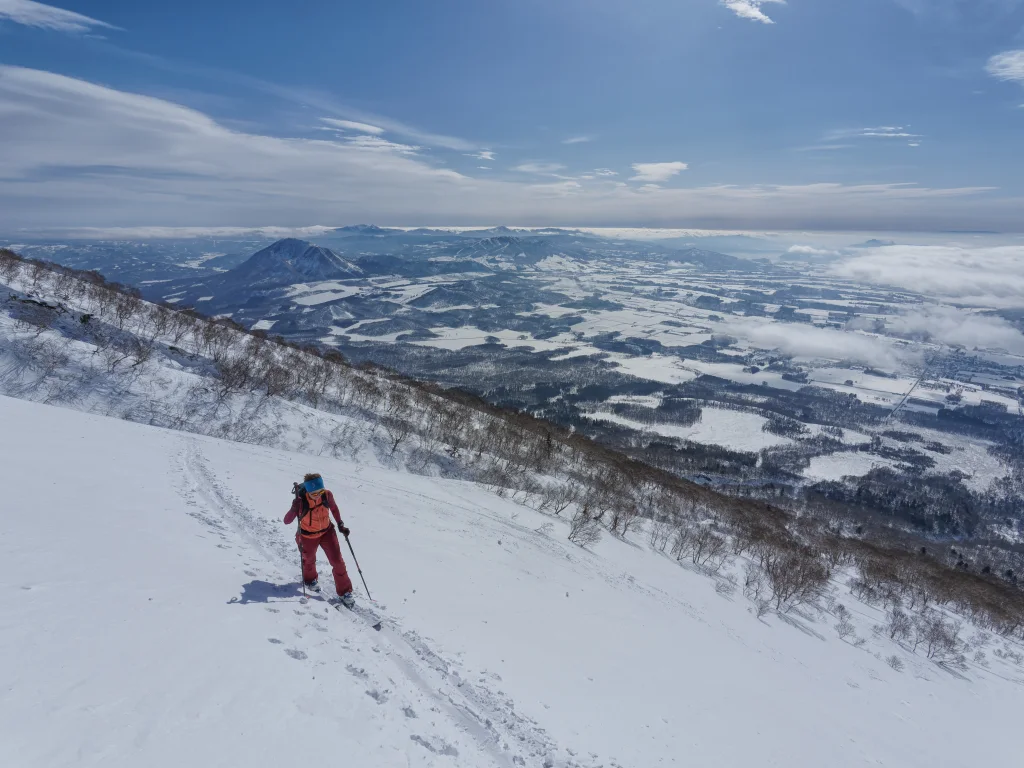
725 587
10 265
895 662
558 498
844 627
546 529
659 533
900 626
399 429
755 587
127 307
796 577
584 530
708 549
682 539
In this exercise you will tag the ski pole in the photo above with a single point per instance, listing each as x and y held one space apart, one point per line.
356 561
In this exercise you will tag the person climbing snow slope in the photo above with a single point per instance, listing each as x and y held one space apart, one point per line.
313 506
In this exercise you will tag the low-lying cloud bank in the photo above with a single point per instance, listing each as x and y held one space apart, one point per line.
803 340
982 277
956 327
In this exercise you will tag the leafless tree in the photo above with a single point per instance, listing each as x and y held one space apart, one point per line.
795 577
707 547
10 265
398 431
899 625
560 496
660 532
584 530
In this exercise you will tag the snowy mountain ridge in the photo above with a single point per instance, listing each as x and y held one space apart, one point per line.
504 643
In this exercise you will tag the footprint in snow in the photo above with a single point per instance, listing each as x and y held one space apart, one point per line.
296 654
357 671
441 749
381 697
274 640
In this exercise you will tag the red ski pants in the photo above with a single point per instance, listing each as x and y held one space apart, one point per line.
329 541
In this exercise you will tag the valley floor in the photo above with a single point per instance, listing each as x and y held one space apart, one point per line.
150 615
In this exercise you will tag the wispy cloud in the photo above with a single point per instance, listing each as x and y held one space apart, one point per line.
750 9
825 147
577 139
483 154
879 132
380 144
366 136
656 172
535 167
302 97
352 125
74 153
604 172
1008 65
33 14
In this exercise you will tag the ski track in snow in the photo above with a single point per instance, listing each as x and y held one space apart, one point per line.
489 719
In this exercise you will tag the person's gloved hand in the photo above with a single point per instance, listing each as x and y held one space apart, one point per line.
344 531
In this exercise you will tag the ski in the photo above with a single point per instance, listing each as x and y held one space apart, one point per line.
367 614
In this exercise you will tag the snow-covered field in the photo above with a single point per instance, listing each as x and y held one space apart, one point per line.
836 466
152 617
735 430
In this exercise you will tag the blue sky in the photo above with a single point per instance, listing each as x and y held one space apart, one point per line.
728 114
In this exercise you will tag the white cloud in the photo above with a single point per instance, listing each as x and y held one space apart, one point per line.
949 325
988 276
352 125
33 14
484 154
604 172
750 9
879 132
380 144
654 172
810 250
543 168
825 147
804 340
1008 65
578 139
73 154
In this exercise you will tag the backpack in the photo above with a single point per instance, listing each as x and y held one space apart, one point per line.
314 516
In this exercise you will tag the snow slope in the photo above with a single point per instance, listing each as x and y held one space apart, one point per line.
151 617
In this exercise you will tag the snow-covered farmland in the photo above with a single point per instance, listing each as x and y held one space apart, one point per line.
735 430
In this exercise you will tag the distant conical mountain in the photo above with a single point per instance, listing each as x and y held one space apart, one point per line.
291 261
